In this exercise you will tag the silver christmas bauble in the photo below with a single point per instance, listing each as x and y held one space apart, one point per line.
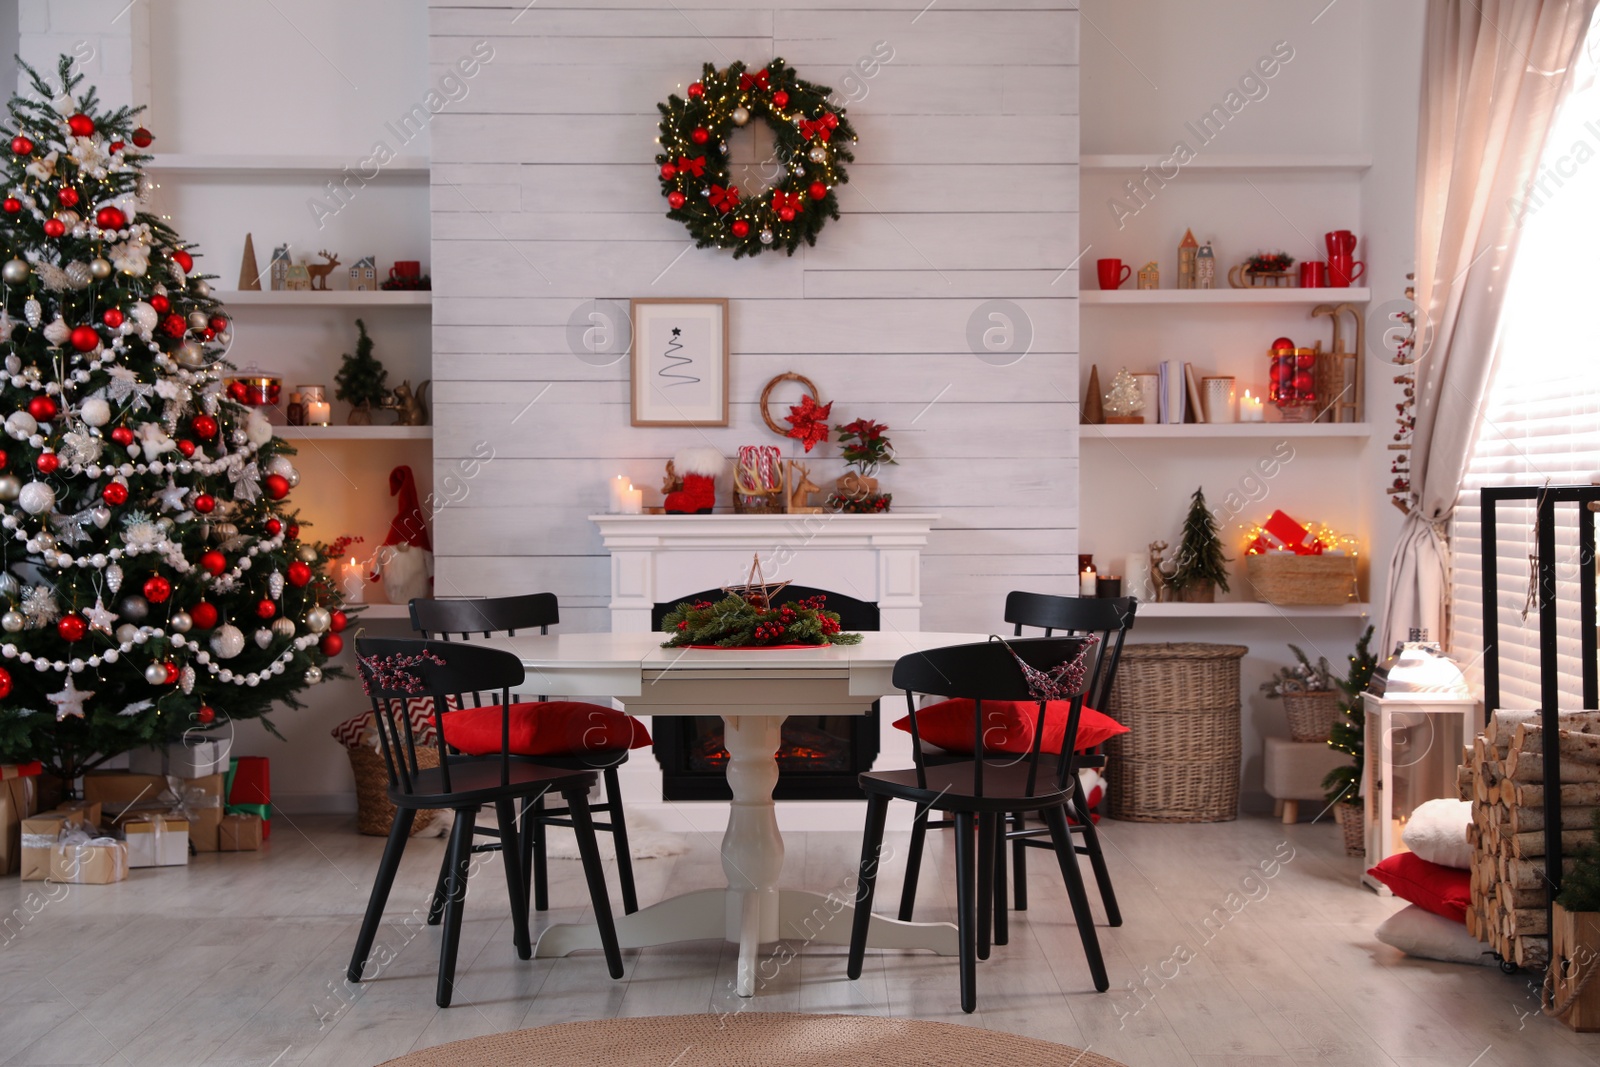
201 289
33 311
180 623
78 275
21 425
126 633
9 586
156 674
318 620
114 577
134 608
263 637
308 554
191 354
313 675
818 155
36 498
740 116
100 268
101 517
12 622
283 627
15 272
766 237
186 680
198 320
227 642
9 488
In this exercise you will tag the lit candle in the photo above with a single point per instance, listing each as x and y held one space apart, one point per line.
318 413
1086 581
619 489
632 501
1251 408
352 582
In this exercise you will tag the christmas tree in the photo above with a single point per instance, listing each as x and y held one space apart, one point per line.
1200 559
151 580
361 376
1349 732
1124 400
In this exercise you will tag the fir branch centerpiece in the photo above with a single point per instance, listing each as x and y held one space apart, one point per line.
737 622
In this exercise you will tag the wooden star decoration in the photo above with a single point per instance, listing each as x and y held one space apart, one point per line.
756 590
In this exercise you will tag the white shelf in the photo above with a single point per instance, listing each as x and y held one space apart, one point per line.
1248 609
1217 162
285 164
354 433
1094 432
1225 296
382 611
330 298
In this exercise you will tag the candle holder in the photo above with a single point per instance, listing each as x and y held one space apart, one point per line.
1108 585
318 411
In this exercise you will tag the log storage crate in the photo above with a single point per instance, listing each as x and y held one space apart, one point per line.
1179 762
1576 956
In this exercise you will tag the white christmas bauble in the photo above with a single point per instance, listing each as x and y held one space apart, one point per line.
15 272
126 633
114 577
10 487
101 516
740 116
100 268
36 498
766 237
818 155
278 465
186 680
313 675
95 411
144 315
21 424
12 622
156 674
133 608
227 642
283 627
318 620
180 622
33 311
263 637
57 332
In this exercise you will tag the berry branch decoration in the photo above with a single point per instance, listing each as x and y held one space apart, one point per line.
736 622
811 142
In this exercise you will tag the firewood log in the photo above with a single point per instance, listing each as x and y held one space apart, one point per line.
1528 766
1528 845
1573 794
1526 817
1574 745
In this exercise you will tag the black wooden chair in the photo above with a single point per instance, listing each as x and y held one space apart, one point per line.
440 619
394 669
979 793
1109 619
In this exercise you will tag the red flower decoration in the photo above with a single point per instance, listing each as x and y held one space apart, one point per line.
808 421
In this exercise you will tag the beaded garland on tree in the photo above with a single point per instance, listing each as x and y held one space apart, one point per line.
812 139
142 533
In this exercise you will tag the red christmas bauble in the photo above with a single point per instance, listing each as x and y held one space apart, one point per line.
668 172
142 137
239 391
294 530
81 125
203 615
21 145
116 146
184 260
787 214
204 426
112 218
817 190
1303 382
157 589
205 714
112 317
115 494
186 448
266 609
4 459
675 200
54 227
205 503
42 408
299 574
218 323
5 683
11 205
84 338
696 89
276 486
273 526
68 197
208 333
700 135
740 228
122 436
161 304
72 627
780 99
213 562
332 644
338 621
173 674
47 462
174 326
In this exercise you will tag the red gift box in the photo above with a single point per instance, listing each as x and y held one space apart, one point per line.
21 770
250 791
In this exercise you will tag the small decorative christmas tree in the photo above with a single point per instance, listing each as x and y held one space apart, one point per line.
1350 729
1201 564
1124 400
361 377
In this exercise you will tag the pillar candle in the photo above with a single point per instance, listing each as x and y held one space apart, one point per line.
1136 575
352 581
318 413
632 501
619 488
1251 408
1086 581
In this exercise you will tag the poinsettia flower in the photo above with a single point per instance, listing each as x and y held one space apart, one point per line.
808 421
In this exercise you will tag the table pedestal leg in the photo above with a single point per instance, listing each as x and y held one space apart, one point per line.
752 847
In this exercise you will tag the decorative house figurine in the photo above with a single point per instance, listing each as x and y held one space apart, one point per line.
280 267
364 276
297 278
1205 267
1187 251
249 269
1150 276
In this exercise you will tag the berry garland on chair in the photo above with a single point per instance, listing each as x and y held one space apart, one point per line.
811 142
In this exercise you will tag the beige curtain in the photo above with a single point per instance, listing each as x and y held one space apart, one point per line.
1494 74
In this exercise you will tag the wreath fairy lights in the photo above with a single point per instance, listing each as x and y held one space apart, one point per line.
811 142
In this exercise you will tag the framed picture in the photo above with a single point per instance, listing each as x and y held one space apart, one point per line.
680 362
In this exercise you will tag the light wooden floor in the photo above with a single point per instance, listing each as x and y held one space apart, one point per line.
239 960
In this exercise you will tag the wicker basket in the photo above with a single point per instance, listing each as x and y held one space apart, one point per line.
1286 579
1179 762
1311 715
374 813
1349 818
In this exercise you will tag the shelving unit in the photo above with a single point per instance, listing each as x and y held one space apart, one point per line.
1250 609
410 166
1213 430
1224 296
329 298
354 433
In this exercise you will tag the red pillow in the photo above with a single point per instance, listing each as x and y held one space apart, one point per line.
1008 726
1442 890
544 728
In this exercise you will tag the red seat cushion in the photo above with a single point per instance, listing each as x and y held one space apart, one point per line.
1442 890
1008 726
544 728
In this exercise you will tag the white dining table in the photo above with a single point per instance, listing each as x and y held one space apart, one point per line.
753 690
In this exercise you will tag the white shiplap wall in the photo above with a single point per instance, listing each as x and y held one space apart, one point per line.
964 189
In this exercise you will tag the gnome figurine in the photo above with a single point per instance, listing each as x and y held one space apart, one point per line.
405 560
698 467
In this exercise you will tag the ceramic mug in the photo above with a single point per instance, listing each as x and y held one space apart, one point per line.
1342 270
406 269
1113 272
1340 242
1313 275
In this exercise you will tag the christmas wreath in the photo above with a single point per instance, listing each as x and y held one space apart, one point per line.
811 141
736 622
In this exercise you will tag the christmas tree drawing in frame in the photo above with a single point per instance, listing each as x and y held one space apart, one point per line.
152 578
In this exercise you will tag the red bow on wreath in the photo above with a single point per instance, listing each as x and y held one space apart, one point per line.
748 82
808 421
724 200
822 127
782 200
695 166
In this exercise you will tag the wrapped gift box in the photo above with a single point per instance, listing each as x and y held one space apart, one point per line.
39 833
19 798
156 840
120 791
191 759
97 861
239 833
250 790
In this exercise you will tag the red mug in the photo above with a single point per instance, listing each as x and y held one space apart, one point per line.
1343 270
1313 275
407 269
1340 242
1113 273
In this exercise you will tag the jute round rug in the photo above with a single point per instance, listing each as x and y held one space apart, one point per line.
777 1039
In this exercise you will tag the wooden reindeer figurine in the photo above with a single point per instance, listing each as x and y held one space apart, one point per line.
319 271
797 495
1160 589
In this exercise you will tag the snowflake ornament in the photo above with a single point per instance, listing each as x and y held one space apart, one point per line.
39 607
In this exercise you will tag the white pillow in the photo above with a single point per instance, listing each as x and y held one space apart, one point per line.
1420 933
1437 831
